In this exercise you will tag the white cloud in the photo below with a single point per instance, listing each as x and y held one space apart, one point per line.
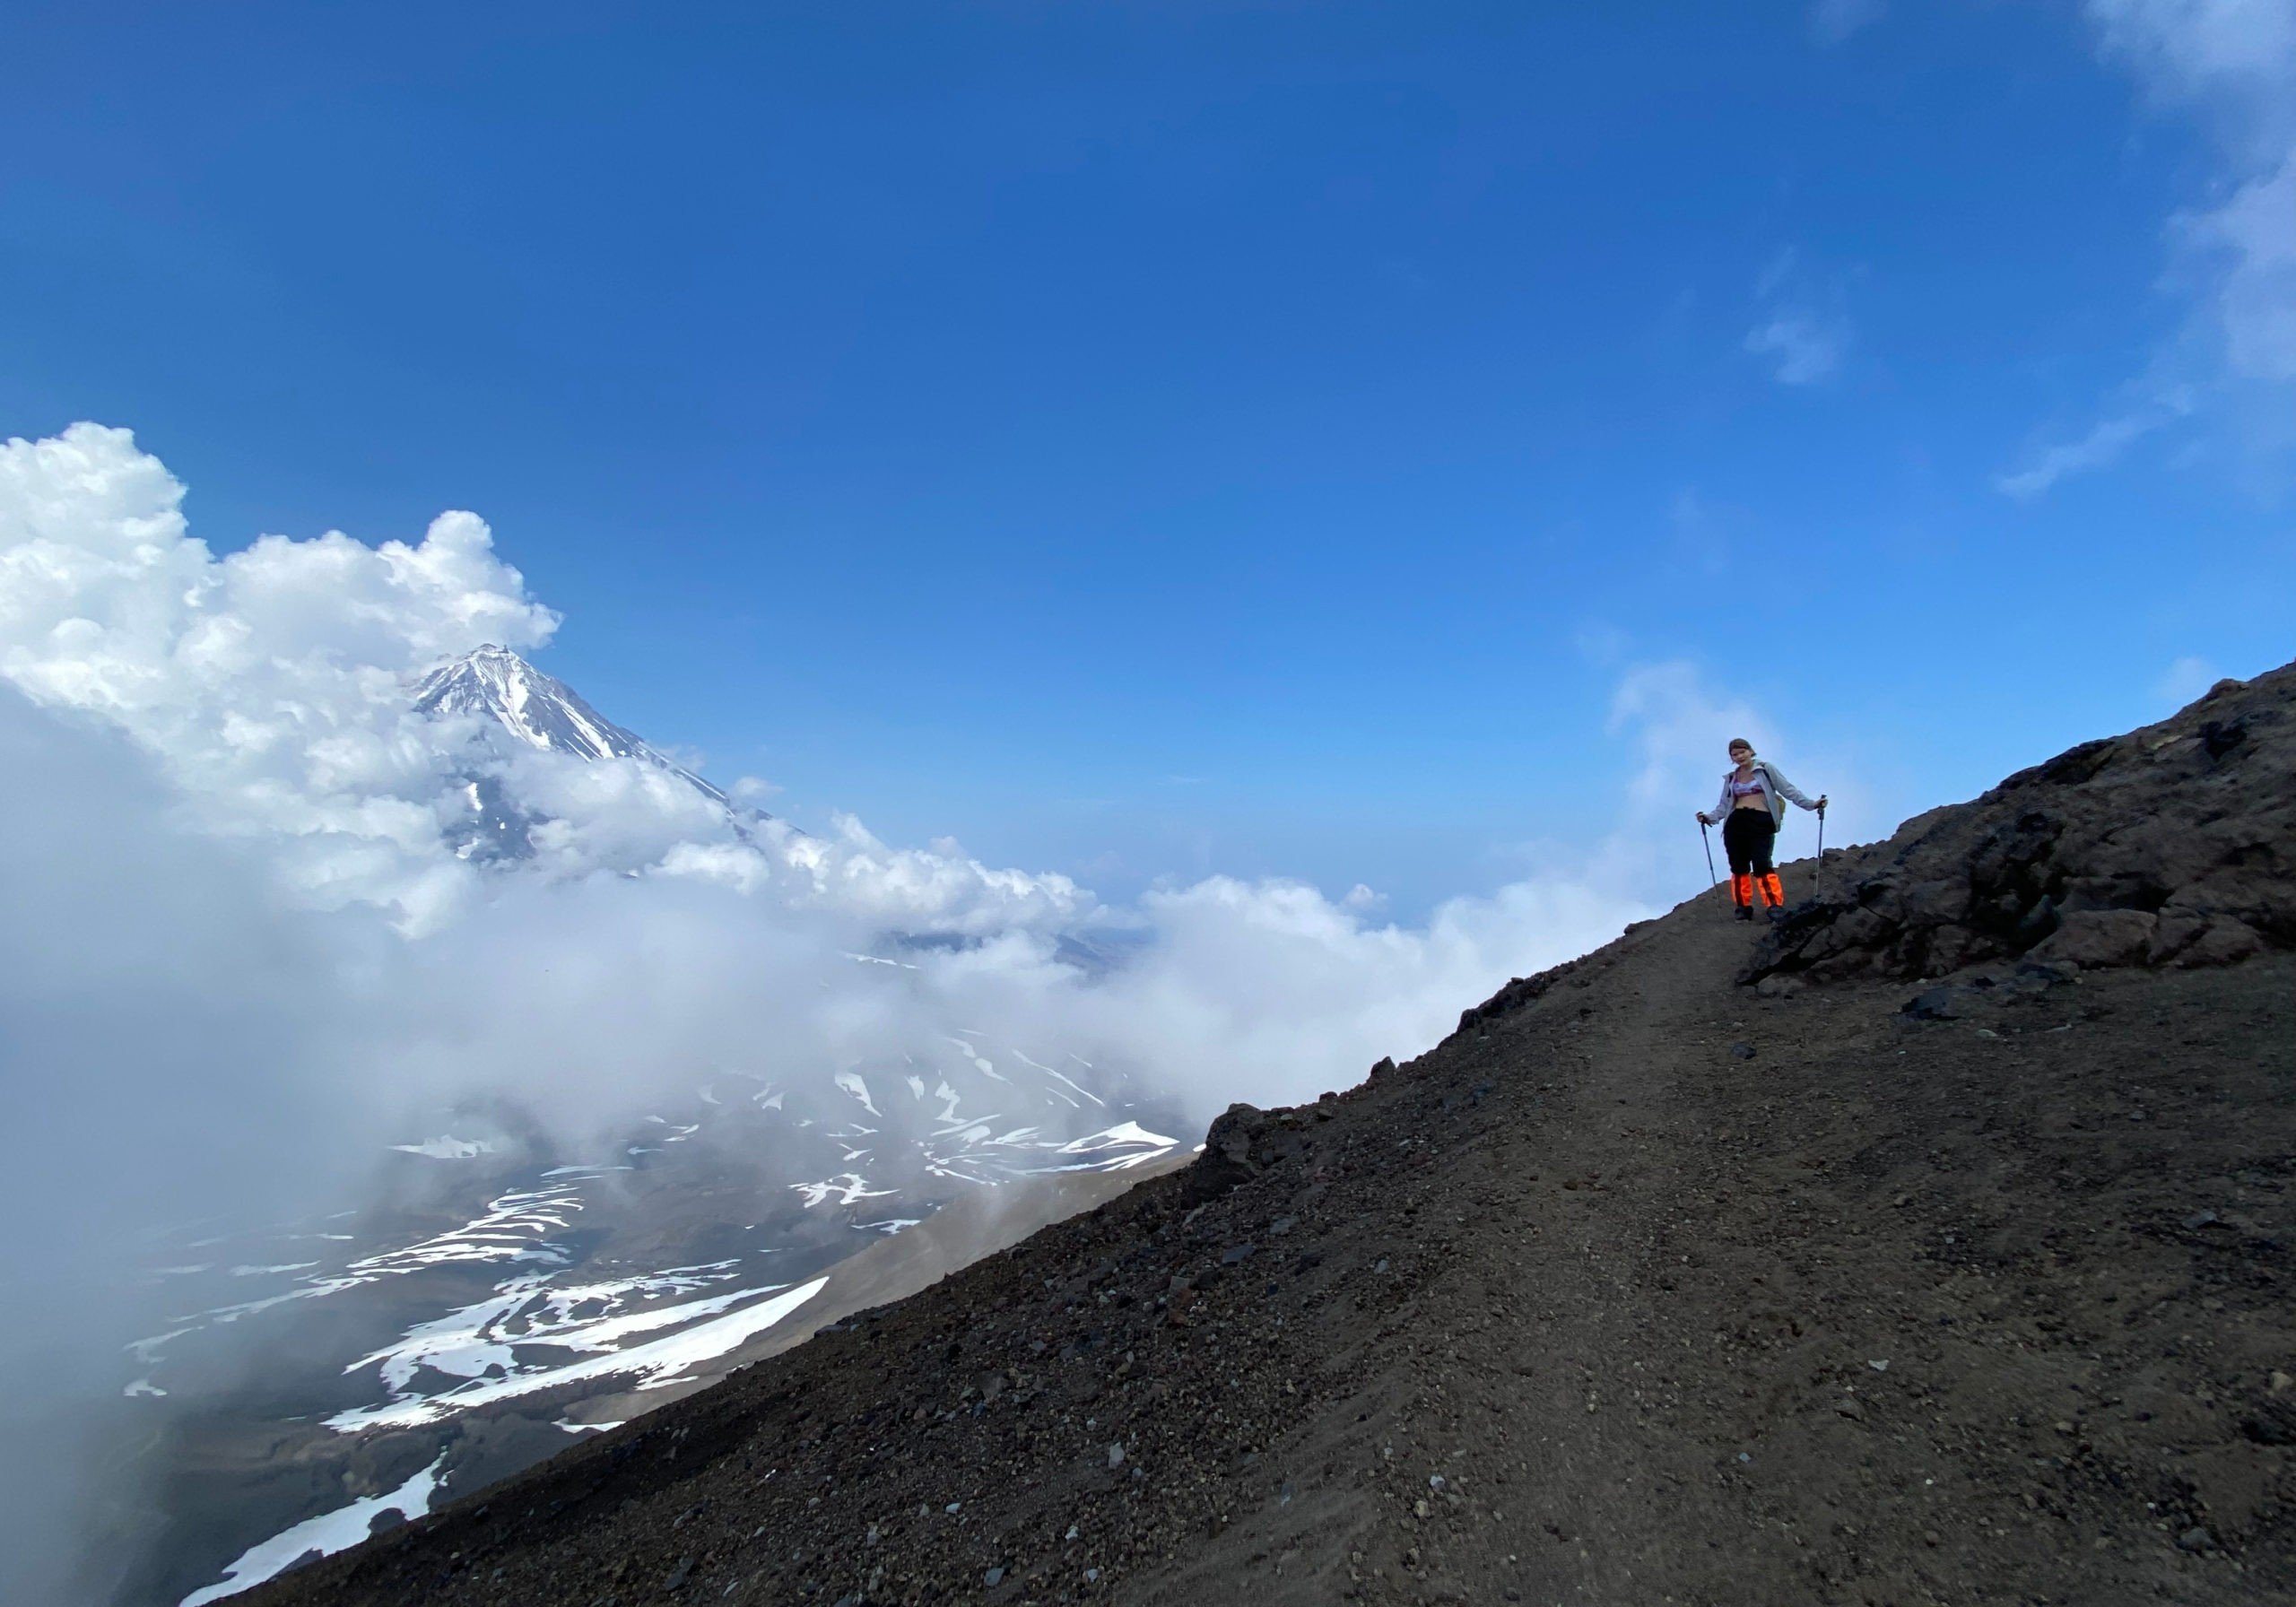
2104 442
2232 64
1806 347
2237 54
270 689
1802 329
1833 20
235 947
2251 238
2184 680
273 686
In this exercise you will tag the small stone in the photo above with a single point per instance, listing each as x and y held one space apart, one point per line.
2195 1538
1879 1366
2279 1383
1419 1508
995 1575
953 1506
1235 1255
1742 1051
679 1576
2063 1427
2199 1219
1848 1406
1116 1455
1435 1482
1930 1537
1937 1004
1071 1532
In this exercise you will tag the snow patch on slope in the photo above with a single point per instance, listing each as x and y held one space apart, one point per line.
656 1364
327 1534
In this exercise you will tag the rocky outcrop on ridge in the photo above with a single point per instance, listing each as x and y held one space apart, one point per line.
1645 1286
2173 845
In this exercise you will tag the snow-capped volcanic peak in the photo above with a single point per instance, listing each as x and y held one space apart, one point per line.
494 683
539 709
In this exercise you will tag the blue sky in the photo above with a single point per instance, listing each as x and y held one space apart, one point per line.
1157 439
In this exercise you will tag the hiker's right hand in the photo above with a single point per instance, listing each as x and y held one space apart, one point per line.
1702 820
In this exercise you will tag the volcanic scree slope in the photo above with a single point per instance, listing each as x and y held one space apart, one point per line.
1948 1262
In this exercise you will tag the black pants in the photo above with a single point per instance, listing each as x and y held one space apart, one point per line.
1747 838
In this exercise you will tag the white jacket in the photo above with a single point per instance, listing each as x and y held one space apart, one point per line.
1776 791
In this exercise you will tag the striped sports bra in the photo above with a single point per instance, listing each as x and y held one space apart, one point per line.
1747 789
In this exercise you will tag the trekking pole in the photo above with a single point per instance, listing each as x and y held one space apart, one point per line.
1819 876
1711 879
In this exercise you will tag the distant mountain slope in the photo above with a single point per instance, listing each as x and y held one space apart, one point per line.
1858 1286
503 1294
515 1295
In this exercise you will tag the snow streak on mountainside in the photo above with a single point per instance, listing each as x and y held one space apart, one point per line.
504 694
541 710
537 1296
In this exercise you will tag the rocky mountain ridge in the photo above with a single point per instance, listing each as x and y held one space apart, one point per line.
1934 1247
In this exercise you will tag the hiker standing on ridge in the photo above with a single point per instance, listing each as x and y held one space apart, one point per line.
1755 795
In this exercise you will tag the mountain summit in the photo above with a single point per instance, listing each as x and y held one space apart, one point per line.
514 700
494 683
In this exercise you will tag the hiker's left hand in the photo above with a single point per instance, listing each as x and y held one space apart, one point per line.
1821 803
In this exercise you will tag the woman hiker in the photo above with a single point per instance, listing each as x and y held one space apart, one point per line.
1754 797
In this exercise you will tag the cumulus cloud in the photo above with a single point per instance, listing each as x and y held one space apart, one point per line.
270 690
2231 63
271 684
238 952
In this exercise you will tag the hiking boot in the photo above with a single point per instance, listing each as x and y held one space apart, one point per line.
1777 912
1745 912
